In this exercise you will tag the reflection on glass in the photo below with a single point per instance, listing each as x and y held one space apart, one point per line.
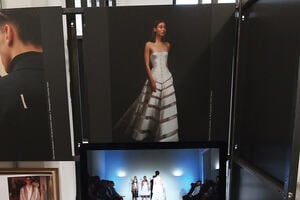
77 3
78 24
226 1
185 2
143 2
206 1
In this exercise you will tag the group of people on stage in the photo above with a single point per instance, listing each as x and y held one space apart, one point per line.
104 189
153 190
209 190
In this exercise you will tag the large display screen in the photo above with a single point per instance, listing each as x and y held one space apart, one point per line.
160 170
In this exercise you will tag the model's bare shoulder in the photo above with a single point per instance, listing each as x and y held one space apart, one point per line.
168 44
149 44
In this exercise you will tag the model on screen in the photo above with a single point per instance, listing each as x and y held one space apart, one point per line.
158 192
153 116
134 188
145 188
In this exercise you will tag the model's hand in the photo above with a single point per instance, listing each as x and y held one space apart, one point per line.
153 85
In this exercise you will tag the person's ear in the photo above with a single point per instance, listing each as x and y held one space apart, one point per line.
9 34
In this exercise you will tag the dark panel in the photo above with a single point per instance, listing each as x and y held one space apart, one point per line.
222 50
249 187
189 61
55 74
97 74
266 85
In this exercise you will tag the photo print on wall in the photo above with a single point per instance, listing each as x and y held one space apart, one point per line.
155 62
29 122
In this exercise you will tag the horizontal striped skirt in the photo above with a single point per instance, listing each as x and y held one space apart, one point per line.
153 114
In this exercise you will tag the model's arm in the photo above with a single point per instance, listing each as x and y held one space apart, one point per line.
147 64
22 195
38 195
168 49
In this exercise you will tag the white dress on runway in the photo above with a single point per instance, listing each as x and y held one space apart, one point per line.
158 192
145 189
153 116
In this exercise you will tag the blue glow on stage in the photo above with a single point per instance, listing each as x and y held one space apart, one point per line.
178 168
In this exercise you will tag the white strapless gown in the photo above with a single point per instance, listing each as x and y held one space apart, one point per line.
153 116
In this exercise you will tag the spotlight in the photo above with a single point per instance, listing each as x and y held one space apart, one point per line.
121 173
177 172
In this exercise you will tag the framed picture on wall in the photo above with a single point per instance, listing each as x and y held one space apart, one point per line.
29 183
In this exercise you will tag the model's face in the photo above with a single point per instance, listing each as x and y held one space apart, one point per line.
28 181
161 29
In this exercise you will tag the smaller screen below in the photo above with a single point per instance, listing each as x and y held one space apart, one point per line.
183 173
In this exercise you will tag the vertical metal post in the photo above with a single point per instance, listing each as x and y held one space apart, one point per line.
75 90
232 143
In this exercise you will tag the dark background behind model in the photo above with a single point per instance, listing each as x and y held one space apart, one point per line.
202 41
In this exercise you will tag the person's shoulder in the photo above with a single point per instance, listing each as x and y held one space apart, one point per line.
148 44
167 44
5 81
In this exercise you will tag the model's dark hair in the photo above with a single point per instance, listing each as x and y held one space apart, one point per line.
156 173
27 23
155 24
